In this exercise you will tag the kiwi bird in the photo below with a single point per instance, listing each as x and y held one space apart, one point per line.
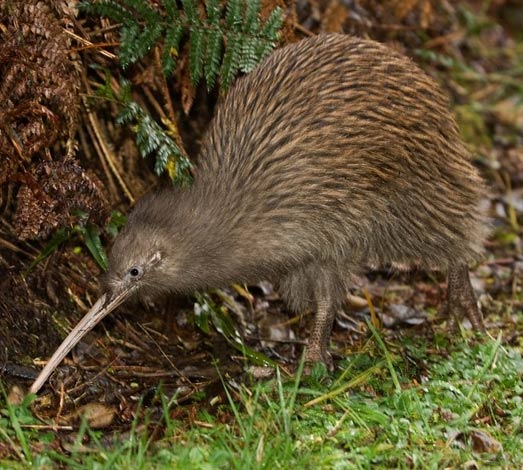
334 154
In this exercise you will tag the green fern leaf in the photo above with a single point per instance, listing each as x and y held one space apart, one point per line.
221 43
197 54
151 138
106 90
213 56
252 23
182 170
231 59
272 25
191 11
148 38
135 44
171 8
109 9
146 137
249 54
128 113
233 15
214 12
128 50
171 46
137 40
144 10
196 40
164 153
125 91
269 34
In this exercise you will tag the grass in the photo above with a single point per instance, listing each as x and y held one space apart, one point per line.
450 409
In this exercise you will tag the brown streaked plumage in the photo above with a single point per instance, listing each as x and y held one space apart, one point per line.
334 154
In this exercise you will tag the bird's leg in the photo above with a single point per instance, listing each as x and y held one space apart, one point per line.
316 350
461 300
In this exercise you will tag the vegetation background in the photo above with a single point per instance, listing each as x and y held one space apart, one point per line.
87 90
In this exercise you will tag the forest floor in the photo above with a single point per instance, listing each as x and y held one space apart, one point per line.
168 385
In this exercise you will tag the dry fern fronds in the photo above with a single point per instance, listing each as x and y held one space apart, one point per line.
65 189
39 89
39 108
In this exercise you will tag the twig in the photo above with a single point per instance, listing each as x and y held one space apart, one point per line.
91 45
108 155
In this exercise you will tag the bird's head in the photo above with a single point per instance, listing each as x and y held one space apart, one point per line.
163 247
138 264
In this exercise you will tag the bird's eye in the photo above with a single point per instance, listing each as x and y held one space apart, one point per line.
135 272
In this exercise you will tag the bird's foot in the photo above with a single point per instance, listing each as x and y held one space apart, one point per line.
461 301
315 354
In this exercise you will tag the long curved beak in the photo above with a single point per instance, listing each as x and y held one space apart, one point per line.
103 306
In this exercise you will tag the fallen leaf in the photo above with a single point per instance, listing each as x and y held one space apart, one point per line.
482 441
15 395
97 415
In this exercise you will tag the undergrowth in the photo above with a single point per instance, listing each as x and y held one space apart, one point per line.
226 38
467 409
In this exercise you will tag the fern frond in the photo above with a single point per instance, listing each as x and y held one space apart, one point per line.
172 38
197 52
128 113
171 46
247 41
191 12
171 8
144 10
144 41
128 44
231 59
213 9
106 90
151 138
233 15
252 12
269 34
225 39
109 9
196 40
272 25
124 93
213 55
249 54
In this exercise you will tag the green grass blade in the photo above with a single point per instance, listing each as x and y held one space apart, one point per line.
387 355
91 236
